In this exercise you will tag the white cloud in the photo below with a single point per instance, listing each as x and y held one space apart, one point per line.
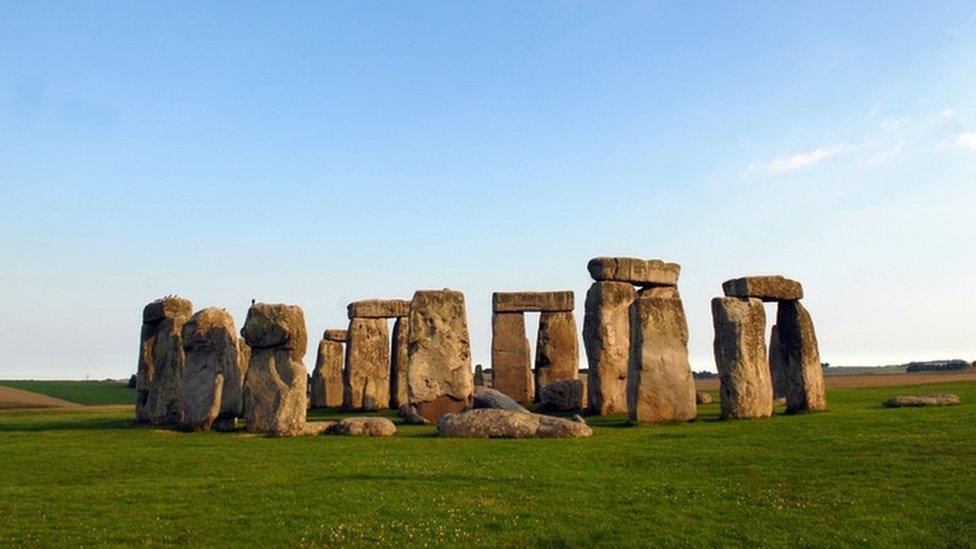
886 154
797 161
967 140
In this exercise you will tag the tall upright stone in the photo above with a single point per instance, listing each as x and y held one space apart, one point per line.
660 387
805 390
159 378
276 382
777 364
399 393
557 349
326 389
511 366
740 356
439 372
606 337
366 379
479 375
212 374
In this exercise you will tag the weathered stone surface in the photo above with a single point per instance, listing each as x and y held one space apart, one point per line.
212 378
557 349
660 387
485 397
777 364
565 395
640 272
800 355
326 385
243 358
276 326
366 379
159 378
606 337
276 382
522 302
937 399
439 376
511 366
766 288
399 357
703 398
378 308
664 292
479 375
745 388
494 423
363 427
410 415
339 336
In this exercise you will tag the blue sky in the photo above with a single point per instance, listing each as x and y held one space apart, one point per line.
317 153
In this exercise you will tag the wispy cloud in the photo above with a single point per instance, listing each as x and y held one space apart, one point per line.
883 156
967 140
797 161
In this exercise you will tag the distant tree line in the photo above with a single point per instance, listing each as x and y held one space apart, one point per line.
937 366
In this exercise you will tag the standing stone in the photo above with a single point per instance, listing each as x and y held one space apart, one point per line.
606 336
399 395
211 375
777 364
660 387
159 378
479 376
565 395
366 379
740 356
326 385
276 381
511 366
557 349
439 374
801 359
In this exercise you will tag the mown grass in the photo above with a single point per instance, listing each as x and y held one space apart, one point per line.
91 393
858 475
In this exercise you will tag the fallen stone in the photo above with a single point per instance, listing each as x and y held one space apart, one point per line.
800 355
439 372
937 399
565 395
578 419
276 383
366 378
639 272
335 335
378 308
740 355
363 427
159 377
660 386
557 349
399 357
522 302
494 423
606 337
766 288
703 398
325 388
212 379
511 366
485 397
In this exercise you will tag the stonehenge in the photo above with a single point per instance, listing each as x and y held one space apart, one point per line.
557 348
276 381
373 376
399 394
326 390
439 378
159 378
212 375
606 338
749 380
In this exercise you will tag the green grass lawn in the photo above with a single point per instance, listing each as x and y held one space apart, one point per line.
858 475
92 393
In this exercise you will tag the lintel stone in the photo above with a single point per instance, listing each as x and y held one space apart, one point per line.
379 308
335 335
639 272
766 288
521 302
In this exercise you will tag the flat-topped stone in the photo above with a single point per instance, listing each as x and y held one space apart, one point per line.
521 302
639 272
379 308
167 307
766 288
336 335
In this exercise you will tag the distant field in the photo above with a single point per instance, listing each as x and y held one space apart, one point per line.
90 393
848 381
859 475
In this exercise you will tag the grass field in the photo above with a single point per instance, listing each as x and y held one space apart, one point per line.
858 475
90 393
